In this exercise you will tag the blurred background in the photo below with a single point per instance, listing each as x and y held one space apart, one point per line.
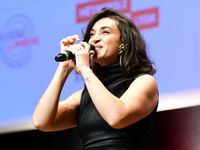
30 32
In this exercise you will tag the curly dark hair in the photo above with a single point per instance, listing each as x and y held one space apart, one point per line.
134 59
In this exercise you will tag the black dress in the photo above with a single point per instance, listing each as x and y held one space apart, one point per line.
94 131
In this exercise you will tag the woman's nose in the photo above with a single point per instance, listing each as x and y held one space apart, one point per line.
96 39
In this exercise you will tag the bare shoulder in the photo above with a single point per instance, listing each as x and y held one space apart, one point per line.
140 99
146 85
144 88
145 81
77 96
74 98
71 104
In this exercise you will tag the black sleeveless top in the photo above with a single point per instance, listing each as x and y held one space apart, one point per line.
94 131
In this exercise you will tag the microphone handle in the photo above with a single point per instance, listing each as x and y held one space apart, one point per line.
64 56
68 55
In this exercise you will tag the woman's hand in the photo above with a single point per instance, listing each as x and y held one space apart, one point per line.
82 53
65 45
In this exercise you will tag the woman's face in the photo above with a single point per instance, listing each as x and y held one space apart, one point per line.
105 36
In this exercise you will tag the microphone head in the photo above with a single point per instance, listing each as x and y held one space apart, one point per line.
92 47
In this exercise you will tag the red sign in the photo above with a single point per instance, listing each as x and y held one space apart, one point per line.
86 10
147 18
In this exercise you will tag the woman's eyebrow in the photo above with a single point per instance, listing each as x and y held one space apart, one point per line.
103 27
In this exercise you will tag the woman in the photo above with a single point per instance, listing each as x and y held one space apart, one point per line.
116 109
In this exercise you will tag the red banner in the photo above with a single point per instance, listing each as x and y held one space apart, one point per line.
147 18
86 10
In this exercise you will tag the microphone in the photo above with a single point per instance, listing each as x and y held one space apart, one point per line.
68 55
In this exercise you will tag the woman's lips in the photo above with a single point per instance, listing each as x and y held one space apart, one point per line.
97 47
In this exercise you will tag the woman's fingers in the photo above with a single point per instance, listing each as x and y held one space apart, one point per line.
70 40
87 47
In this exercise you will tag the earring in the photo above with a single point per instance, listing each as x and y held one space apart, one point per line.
121 49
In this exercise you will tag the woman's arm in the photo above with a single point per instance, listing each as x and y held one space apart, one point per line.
136 103
49 114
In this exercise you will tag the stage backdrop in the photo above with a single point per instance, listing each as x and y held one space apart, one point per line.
30 32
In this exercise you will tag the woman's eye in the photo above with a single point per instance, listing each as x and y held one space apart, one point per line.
91 34
105 32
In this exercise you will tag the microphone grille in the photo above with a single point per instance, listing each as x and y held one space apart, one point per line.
92 47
